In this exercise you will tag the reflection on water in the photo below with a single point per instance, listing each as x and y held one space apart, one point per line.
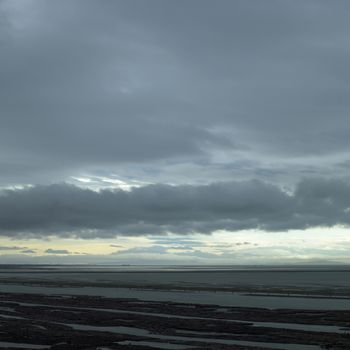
295 276
219 298
146 333
156 345
4 344
294 326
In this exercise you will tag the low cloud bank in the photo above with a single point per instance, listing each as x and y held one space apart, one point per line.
67 210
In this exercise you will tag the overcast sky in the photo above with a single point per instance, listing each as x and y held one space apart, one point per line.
125 121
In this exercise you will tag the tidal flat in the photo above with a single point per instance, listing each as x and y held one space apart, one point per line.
94 307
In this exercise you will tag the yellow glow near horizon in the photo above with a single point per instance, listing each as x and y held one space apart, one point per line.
312 243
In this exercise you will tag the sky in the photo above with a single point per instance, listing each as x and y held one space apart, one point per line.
175 132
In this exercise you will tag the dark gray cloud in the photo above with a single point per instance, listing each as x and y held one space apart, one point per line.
89 85
154 249
28 251
57 251
67 210
231 245
12 248
171 241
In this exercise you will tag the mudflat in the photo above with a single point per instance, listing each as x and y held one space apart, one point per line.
53 307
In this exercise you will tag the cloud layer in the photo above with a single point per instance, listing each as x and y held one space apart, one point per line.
66 210
88 87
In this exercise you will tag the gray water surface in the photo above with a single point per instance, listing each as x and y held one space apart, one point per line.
218 298
146 333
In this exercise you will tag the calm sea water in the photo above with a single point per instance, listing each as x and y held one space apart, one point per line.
220 276
107 278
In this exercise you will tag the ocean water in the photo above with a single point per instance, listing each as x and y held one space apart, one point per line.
219 298
140 282
212 276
